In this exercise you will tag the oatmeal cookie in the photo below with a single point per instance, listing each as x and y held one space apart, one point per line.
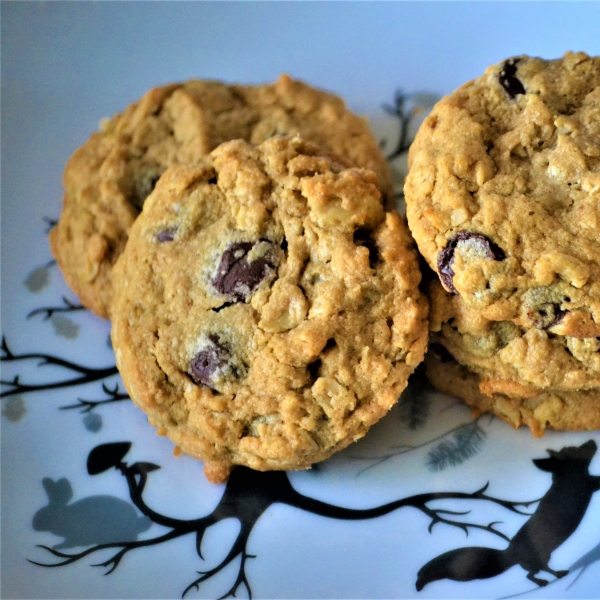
266 309
518 374
560 410
503 193
501 351
107 180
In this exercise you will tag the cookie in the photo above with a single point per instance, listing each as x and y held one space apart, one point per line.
499 367
107 180
503 193
559 410
501 351
266 308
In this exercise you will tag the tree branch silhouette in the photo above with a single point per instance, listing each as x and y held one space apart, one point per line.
49 311
248 494
113 395
85 374
404 116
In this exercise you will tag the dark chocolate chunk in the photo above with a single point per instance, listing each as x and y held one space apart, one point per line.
220 308
167 234
547 315
144 185
236 277
446 256
363 237
212 358
508 78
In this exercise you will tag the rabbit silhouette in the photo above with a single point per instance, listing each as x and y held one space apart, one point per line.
99 519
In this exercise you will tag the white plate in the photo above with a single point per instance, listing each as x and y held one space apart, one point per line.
425 481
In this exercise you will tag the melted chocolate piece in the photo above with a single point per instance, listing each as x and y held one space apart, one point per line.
363 237
508 78
547 316
446 256
144 185
213 357
167 234
236 277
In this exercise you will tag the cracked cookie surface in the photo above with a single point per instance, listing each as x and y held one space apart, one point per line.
503 193
523 375
107 180
267 310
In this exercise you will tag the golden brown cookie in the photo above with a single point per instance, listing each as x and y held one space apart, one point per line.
107 180
267 310
501 351
503 193
522 375
564 411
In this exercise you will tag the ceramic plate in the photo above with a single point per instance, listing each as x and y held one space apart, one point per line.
430 504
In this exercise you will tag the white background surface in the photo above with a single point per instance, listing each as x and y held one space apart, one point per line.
65 65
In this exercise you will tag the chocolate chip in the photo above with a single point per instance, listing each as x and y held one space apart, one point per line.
237 277
363 237
144 185
548 315
208 361
167 234
220 308
508 78
446 257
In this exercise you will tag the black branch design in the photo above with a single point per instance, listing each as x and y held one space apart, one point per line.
405 115
49 311
468 438
113 394
82 374
50 223
247 496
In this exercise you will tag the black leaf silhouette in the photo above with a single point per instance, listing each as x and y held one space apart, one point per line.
106 456
467 442
144 467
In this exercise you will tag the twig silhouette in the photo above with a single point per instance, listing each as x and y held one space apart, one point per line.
49 311
113 395
405 116
247 496
474 433
50 223
85 374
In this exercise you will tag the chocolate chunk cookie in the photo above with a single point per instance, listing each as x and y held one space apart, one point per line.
530 376
554 409
503 193
266 309
108 179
